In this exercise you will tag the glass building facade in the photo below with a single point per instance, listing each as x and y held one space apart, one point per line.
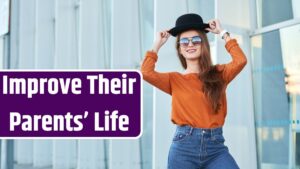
262 128
276 83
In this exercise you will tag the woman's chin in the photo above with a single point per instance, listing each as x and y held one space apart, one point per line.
191 57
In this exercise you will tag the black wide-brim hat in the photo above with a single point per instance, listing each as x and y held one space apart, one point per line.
187 22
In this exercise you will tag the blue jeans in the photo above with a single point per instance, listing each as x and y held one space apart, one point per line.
197 148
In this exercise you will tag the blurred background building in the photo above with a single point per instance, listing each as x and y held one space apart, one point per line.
262 128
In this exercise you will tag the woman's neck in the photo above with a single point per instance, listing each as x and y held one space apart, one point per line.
192 66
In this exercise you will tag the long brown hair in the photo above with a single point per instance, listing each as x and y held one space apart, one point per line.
213 85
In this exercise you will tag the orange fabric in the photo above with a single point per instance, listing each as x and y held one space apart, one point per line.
189 104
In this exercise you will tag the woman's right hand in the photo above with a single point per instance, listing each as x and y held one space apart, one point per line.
160 39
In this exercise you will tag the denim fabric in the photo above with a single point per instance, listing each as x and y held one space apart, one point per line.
197 148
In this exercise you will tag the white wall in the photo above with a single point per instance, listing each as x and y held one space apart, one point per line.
239 129
125 50
163 128
45 35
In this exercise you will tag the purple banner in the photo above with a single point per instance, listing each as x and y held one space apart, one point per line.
104 104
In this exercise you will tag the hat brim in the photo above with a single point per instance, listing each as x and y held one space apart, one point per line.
178 29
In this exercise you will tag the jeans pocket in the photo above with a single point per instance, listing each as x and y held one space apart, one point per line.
218 139
180 136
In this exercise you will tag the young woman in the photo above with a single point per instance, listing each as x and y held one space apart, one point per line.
198 94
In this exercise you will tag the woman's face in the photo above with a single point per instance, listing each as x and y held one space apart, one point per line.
190 51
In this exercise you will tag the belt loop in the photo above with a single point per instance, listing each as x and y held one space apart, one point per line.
191 130
211 132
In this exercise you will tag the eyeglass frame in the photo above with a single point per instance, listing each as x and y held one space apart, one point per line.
190 39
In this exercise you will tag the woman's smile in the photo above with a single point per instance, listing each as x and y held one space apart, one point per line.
191 50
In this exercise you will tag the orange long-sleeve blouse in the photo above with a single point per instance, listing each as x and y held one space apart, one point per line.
189 104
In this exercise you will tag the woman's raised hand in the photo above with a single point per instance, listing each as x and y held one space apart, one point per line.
215 26
160 39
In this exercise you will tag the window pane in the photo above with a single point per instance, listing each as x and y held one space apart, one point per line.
296 8
276 82
291 58
273 11
271 102
239 17
297 154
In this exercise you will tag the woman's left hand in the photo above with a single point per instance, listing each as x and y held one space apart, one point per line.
215 26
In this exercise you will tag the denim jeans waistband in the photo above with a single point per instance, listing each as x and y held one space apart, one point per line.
207 131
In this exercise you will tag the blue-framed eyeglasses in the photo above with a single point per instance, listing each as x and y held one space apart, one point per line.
184 42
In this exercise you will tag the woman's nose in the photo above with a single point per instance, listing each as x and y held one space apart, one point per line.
190 43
